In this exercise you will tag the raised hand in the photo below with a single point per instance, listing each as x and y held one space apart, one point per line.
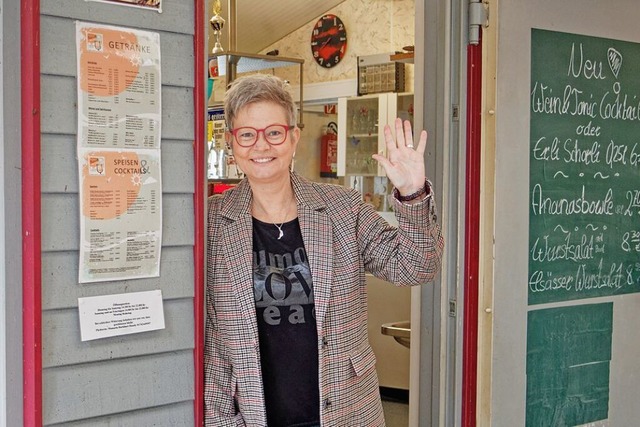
404 163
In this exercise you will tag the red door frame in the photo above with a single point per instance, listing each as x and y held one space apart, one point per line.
472 234
31 220
199 199
31 208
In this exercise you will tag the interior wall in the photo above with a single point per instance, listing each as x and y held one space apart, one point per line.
388 304
138 379
613 20
373 26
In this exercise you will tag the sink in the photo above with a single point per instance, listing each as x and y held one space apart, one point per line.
400 331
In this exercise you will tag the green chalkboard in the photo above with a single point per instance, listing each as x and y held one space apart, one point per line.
584 182
568 365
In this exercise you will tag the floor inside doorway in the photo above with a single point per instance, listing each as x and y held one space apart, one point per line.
395 404
396 414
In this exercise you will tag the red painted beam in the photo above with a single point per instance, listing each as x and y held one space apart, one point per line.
472 236
31 220
199 199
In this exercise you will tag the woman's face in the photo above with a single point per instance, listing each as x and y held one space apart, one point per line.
263 162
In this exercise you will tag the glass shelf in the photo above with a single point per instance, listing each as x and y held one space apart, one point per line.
230 64
247 63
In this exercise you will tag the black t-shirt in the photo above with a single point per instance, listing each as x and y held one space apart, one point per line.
285 310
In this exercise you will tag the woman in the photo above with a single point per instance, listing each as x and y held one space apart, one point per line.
286 333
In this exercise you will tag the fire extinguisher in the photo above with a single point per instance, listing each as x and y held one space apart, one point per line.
329 151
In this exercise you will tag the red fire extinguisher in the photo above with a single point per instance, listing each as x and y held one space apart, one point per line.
329 151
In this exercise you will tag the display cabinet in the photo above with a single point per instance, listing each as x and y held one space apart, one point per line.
361 122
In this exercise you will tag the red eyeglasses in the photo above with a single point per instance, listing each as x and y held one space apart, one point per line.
274 134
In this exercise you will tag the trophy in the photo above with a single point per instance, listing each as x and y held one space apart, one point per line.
217 22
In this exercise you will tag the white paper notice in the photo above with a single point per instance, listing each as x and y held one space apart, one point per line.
112 315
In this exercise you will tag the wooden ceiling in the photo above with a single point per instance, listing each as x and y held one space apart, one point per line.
261 23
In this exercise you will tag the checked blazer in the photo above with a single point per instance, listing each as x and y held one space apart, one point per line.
344 238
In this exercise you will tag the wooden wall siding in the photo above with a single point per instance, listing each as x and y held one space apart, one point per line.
176 16
178 414
66 349
60 273
137 379
110 386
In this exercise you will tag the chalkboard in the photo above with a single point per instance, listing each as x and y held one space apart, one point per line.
584 200
568 364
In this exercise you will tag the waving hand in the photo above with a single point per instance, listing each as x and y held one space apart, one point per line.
404 163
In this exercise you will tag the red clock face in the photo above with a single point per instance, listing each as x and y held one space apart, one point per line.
329 41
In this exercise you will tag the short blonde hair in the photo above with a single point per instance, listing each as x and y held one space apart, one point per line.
253 88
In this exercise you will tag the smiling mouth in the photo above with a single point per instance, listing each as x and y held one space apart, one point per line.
263 160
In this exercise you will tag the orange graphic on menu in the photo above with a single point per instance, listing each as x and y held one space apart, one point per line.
110 61
111 182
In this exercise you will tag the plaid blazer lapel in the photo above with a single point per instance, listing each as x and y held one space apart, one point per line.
237 239
317 234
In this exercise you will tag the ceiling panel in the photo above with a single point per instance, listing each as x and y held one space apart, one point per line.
261 23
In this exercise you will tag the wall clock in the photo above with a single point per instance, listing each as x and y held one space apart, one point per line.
329 41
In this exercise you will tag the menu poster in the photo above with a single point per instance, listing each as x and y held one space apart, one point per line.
121 214
145 4
584 213
119 81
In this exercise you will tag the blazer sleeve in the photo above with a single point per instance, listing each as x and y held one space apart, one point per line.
410 254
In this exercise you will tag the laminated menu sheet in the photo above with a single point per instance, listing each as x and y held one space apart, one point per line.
118 147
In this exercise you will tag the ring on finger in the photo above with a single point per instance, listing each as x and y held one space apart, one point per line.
409 145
